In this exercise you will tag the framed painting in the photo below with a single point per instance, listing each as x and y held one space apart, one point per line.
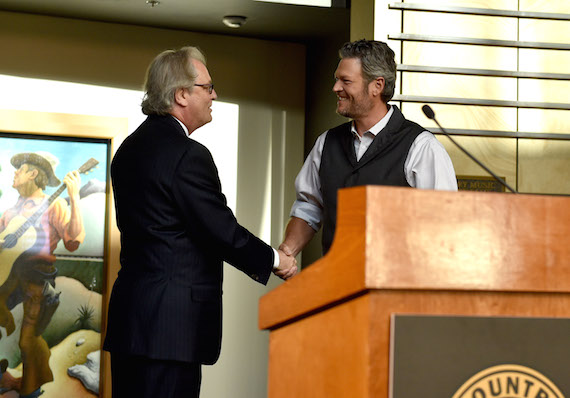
58 240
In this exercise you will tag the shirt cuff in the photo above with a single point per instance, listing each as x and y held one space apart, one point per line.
309 212
275 259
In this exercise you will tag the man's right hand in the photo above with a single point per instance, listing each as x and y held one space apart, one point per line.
287 266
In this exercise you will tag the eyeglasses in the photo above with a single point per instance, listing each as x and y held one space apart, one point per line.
209 87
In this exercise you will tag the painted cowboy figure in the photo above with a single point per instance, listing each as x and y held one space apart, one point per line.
27 271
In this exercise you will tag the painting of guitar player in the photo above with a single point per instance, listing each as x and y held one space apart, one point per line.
52 231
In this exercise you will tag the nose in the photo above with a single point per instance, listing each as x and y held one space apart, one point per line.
337 86
214 95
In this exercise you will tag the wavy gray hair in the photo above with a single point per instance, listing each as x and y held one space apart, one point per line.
377 60
169 71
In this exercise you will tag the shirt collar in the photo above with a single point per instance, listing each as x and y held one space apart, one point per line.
183 126
36 198
374 130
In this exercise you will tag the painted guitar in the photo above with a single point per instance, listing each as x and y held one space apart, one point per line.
21 235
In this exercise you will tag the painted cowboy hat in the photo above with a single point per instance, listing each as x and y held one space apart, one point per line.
44 160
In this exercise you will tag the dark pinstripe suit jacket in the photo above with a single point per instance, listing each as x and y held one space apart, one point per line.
175 231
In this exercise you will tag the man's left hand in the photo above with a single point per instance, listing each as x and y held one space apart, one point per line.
72 180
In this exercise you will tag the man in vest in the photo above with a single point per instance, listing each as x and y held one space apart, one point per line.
379 146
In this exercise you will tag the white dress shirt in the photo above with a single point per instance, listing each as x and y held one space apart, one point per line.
427 166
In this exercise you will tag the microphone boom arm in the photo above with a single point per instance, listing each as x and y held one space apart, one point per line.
431 115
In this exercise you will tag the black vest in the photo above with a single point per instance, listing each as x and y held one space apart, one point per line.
381 164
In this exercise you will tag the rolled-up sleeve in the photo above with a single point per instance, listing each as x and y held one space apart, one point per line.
309 203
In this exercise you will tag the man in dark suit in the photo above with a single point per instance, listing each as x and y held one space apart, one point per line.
165 311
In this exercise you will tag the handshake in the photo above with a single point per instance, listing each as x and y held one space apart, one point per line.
287 263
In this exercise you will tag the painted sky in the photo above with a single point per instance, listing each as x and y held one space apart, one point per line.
71 156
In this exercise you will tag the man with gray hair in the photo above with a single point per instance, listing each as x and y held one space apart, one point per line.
165 311
379 146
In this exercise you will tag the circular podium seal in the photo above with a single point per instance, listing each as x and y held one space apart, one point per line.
508 381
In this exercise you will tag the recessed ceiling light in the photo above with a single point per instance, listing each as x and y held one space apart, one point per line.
152 3
234 21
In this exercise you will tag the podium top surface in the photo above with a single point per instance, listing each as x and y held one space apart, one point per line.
411 239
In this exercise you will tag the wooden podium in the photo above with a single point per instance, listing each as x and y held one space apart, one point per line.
410 251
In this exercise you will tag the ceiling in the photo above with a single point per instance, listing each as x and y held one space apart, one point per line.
264 20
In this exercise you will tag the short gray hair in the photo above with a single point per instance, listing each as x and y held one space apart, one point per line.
377 60
168 72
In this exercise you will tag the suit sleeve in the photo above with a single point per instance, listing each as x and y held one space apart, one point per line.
197 191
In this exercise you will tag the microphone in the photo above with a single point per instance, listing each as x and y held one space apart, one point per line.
430 114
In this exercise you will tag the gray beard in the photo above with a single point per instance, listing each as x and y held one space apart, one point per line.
345 113
351 112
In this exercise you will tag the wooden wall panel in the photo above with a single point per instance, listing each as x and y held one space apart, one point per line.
465 116
474 26
459 56
497 4
459 86
544 90
544 166
544 121
499 154
562 6
498 45
544 31
547 61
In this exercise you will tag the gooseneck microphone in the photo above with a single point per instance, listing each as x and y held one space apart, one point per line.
430 114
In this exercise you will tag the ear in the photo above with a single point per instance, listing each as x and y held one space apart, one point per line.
33 174
378 86
181 96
